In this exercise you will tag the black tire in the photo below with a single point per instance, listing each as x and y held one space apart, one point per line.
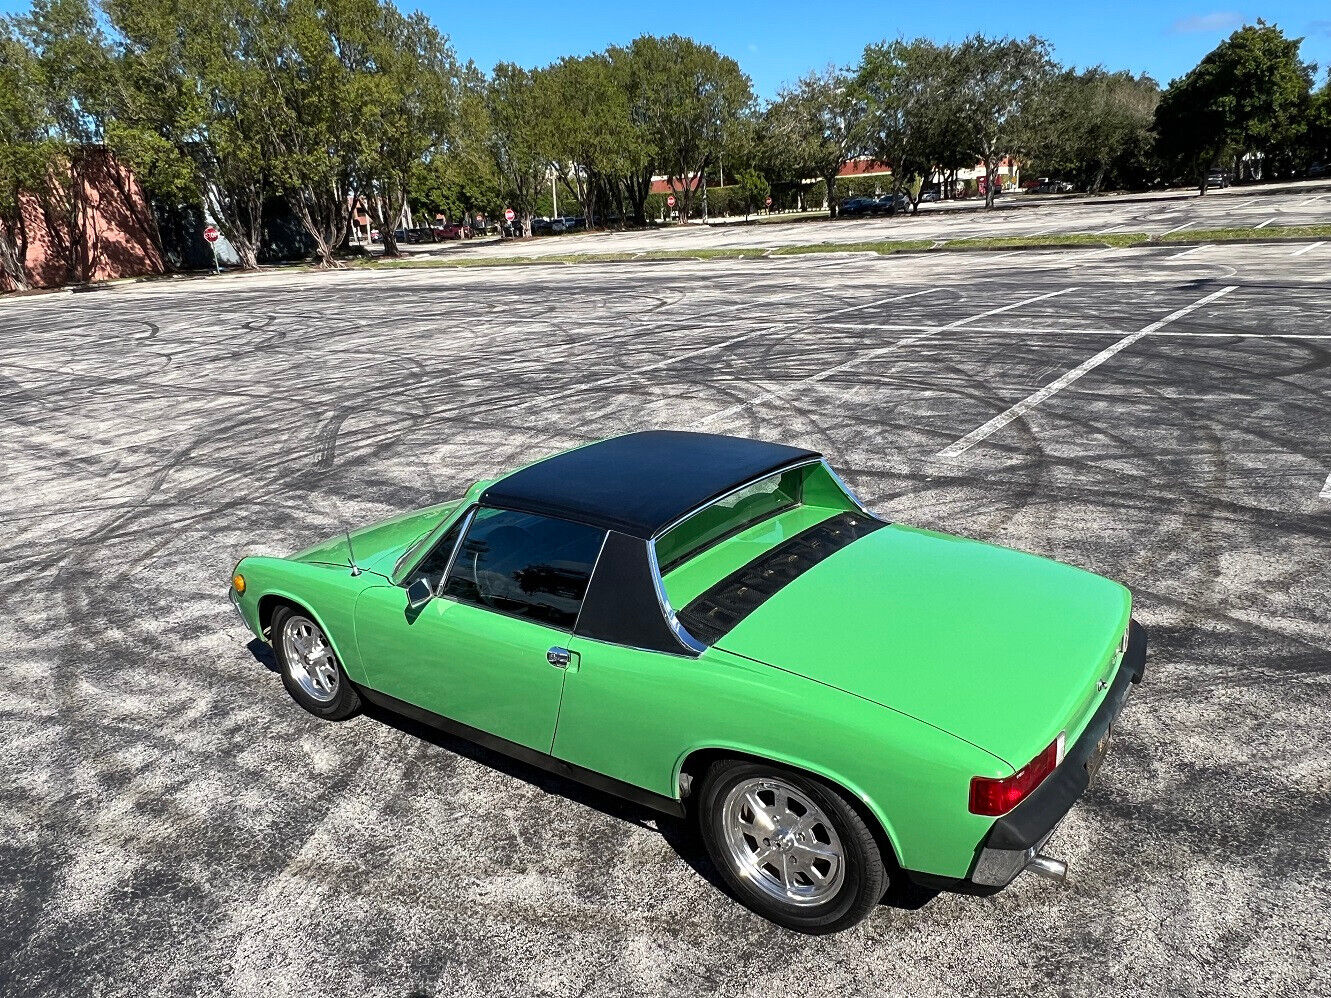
335 701
864 876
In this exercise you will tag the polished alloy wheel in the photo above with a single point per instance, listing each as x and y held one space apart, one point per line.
310 660
782 842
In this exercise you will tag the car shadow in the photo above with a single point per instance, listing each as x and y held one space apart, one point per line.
681 834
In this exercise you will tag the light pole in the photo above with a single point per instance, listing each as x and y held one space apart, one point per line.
554 197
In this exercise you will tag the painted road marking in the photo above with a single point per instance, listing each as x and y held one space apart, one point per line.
1311 246
1193 249
959 447
1326 489
1262 225
676 358
880 351
1178 228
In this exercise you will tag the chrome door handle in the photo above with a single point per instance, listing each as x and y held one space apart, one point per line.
558 657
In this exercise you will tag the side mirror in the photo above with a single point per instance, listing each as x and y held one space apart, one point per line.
419 593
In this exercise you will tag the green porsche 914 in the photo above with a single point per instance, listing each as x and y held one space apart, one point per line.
717 628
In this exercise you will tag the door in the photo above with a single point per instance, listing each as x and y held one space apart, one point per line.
478 652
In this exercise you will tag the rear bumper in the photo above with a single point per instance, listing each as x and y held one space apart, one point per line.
1017 837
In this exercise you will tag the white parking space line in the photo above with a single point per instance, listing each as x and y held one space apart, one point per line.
1177 228
1240 334
1262 225
980 433
676 358
880 351
1192 249
1309 247
1326 489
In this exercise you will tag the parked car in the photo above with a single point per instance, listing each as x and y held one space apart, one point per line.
718 629
1217 178
890 204
1047 186
542 226
858 207
929 195
452 230
1317 170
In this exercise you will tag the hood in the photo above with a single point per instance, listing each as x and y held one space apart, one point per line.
379 545
1000 648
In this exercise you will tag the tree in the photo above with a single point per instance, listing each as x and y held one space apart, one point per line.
414 89
315 60
818 127
71 73
754 189
191 114
518 103
999 84
1096 126
25 154
687 100
1249 97
906 87
594 141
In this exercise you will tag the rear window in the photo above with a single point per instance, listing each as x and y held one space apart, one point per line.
727 517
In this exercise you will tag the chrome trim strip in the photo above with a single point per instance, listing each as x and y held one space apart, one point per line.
464 525
590 579
850 493
802 463
686 639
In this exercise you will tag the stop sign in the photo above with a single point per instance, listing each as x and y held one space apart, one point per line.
211 234
671 200
769 202
508 214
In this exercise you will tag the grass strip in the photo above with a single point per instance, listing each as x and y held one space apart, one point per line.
884 247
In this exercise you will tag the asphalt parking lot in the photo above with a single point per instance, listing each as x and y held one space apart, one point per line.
1157 213
171 823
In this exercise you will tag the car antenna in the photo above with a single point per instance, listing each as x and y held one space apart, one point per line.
351 555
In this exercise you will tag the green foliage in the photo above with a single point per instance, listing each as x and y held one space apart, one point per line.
815 128
1096 129
688 102
753 190
1250 95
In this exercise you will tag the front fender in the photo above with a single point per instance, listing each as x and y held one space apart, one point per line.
327 593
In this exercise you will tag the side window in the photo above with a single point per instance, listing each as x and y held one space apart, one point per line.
434 564
534 567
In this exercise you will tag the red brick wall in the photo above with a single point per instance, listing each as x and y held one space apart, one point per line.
119 237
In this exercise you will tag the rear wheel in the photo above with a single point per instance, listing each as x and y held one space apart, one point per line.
310 669
790 846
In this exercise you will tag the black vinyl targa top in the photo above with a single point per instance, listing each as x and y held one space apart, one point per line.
640 483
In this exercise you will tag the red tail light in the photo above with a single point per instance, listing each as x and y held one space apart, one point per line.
994 797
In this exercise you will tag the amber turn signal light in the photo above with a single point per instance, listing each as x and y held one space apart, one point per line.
238 583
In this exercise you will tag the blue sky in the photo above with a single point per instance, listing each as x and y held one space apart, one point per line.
776 42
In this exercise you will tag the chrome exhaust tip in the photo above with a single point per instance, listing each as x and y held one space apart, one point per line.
1048 867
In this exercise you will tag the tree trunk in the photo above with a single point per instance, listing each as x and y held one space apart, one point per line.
990 172
830 181
11 261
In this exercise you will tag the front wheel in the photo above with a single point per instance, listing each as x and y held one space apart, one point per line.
791 847
310 669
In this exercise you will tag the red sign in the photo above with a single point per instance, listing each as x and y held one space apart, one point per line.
769 202
508 214
671 200
211 234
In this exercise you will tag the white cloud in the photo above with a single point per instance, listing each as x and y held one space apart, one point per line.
1217 21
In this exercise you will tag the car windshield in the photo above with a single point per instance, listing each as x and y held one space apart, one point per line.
728 516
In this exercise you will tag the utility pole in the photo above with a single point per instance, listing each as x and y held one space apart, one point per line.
554 197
